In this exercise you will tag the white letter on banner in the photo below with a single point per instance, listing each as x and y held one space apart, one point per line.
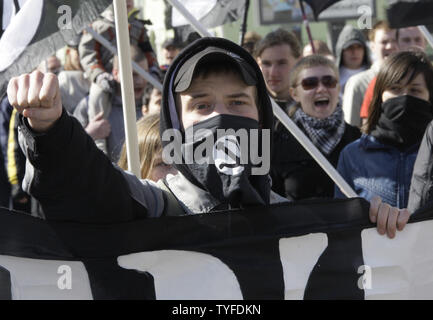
298 256
185 275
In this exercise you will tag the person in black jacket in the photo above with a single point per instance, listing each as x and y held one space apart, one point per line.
295 174
213 84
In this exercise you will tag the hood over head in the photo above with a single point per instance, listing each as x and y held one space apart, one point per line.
348 36
182 71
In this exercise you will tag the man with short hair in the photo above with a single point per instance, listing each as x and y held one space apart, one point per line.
276 54
216 85
410 37
382 43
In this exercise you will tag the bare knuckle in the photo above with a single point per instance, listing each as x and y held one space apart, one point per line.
50 78
24 78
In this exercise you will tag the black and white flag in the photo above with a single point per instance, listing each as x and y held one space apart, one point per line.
8 10
304 250
39 29
210 14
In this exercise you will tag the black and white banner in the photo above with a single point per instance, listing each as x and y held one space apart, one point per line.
39 29
308 250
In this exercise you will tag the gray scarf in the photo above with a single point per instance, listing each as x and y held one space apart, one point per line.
326 133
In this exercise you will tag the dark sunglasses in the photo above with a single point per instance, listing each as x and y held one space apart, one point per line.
311 83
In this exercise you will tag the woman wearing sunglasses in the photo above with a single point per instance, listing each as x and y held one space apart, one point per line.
381 162
315 88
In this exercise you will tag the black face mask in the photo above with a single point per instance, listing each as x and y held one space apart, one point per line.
228 165
403 121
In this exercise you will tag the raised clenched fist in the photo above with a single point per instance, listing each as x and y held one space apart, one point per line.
37 97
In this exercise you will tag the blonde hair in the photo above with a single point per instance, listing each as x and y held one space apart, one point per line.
308 62
149 145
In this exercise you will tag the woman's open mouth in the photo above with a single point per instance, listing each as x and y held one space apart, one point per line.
321 103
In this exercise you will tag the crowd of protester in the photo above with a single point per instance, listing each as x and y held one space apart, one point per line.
386 80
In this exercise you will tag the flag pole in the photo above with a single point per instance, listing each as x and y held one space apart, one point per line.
244 23
298 134
307 26
427 35
126 84
135 65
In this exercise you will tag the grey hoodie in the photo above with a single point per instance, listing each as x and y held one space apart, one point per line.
349 34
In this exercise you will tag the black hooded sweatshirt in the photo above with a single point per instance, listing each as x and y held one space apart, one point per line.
264 104
74 181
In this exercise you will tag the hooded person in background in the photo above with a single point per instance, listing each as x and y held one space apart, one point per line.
213 84
352 54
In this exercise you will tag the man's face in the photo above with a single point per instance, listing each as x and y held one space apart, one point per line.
154 105
353 56
217 94
410 37
321 101
139 81
276 63
384 44
170 53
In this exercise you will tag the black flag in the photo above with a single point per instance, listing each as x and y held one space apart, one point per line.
43 26
406 13
319 5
